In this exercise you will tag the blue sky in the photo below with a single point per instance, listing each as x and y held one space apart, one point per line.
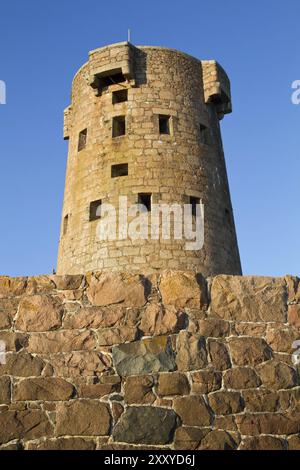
42 44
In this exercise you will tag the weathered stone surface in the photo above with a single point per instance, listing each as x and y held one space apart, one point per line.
246 351
293 284
8 309
241 378
111 336
160 320
225 403
30 424
63 443
218 440
101 317
97 390
22 364
61 341
250 329
139 390
261 400
117 411
5 389
249 298
214 327
191 352
268 423
67 282
263 443
206 381
173 383
81 363
145 425
42 388
219 355
144 357
114 288
294 442
12 287
282 339
83 418
225 423
294 315
193 410
187 438
277 375
183 289
13 341
39 313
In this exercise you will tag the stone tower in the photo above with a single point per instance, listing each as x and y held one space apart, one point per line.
144 123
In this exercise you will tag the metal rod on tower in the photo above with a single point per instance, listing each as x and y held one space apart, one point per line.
129 35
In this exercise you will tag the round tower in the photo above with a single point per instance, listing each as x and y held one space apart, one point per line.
143 124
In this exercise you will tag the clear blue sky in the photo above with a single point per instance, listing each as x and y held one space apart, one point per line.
43 43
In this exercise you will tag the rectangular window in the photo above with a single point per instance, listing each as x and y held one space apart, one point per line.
118 127
95 210
82 140
145 199
194 201
119 170
65 224
204 134
164 124
119 96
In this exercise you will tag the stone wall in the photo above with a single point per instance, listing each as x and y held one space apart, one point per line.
170 360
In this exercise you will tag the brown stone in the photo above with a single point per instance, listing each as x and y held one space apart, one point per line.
83 418
268 423
8 309
42 388
189 438
206 381
111 336
30 424
172 383
139 390
67 282
263 443
294 442
261 400
12 287
5 389
226 423
193 410
247 351
282 340
63 443
218 440
39 284
191 352
117 411
294 315
225 403
214 327
183 289
250 329
249 298
241 378
13 341
277 375
61 341
39 313
97 317
160 320
22 364
80 363
115 288
219 355
293 284
97 390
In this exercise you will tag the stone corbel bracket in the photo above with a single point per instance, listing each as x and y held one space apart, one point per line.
216 87
109 61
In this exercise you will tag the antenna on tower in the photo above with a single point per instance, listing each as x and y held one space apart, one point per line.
129 35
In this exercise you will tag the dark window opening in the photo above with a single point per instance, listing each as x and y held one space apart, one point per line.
145 199
112 79
119 96
95 210
82 140
194 201
118 128
119 170
164 124
65 224
204 134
